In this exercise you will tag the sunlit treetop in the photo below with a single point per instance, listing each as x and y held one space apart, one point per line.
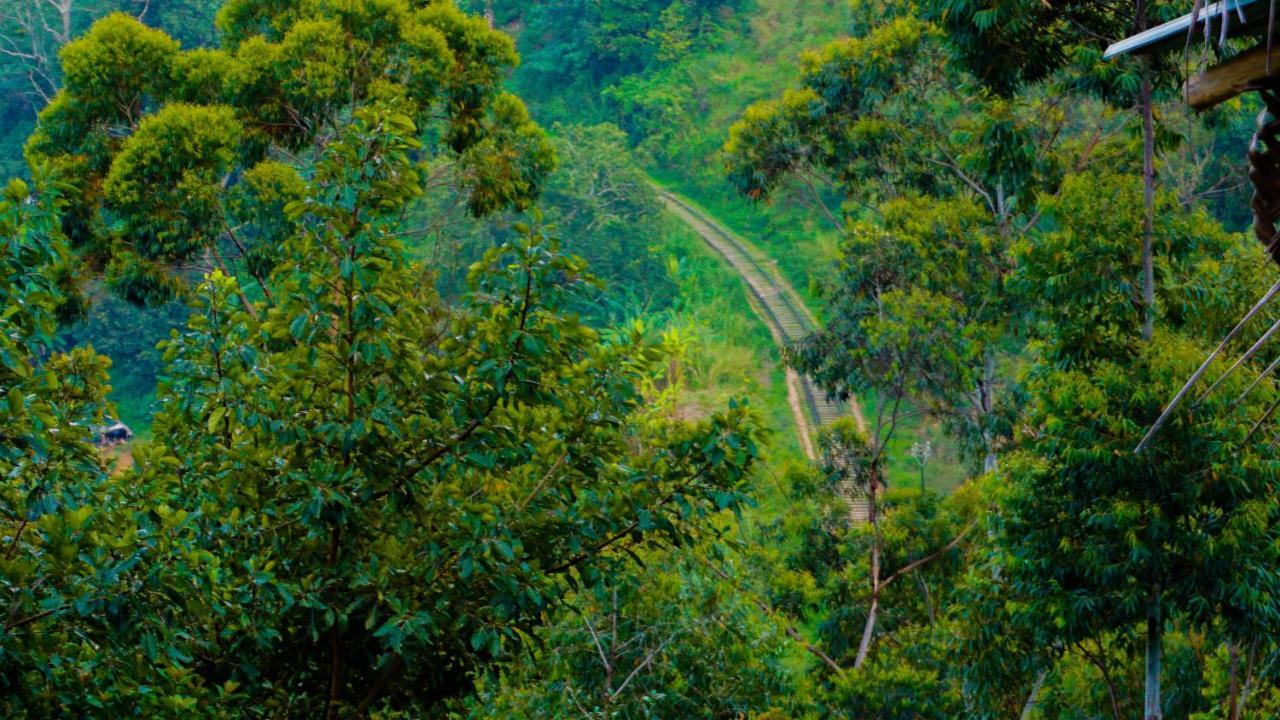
157 140
828 121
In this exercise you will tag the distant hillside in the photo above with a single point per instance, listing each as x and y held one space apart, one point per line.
677 105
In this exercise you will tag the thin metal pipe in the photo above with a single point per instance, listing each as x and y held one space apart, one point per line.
1265 417
1195 377
1270 369
1246 357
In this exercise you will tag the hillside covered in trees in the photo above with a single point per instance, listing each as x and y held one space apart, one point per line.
612 359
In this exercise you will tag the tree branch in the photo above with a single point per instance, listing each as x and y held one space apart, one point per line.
931 557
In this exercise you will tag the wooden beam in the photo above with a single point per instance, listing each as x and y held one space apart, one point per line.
1244 72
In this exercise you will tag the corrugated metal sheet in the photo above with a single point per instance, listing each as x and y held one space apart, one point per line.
1174 34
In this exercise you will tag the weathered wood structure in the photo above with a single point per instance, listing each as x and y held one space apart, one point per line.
1257 69
1242 73
1254 70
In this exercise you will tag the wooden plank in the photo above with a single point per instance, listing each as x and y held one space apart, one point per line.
1174 33
1240 74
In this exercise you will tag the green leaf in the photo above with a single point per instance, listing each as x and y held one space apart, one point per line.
215 419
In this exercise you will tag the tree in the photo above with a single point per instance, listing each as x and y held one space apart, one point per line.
600 201
1011 44
35 33
396 493
675 640
573 50
56 497
217 135
32 32
973 167
360 497
931 182
1177 532
36 30
855 466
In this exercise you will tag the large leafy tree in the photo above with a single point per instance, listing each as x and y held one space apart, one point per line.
574 47
32 32
56 498
884 641
970 200
931 183
35 31
601 203
181 160
1010 44
677 640
1183 531
396 493
1009 47
360 497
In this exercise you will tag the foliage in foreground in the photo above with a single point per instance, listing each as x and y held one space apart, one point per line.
362 497
365 499
359 496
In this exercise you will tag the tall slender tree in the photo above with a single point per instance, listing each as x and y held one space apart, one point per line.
1179 532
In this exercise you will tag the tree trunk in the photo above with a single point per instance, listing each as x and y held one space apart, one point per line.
1034 697
1149 203
928 598
868 630
1233 686
1155 635
990 463
64 12
244 299
1249 676
1155 624
335 644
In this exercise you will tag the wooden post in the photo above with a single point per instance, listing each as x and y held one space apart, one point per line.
1244 72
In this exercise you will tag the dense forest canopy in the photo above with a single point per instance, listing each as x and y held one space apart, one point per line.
450 339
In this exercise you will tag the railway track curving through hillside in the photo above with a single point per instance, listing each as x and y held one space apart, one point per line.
788 320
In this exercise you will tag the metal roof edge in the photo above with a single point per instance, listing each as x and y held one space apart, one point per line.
1178 29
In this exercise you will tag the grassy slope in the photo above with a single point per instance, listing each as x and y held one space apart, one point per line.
746 66
943 470
743 68
730 353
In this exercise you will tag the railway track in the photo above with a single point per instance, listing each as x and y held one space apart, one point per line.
781 310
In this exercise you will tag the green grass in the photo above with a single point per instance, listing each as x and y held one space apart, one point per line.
732 354
751 56
944 471
755 60
135 405
802 248
730 351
